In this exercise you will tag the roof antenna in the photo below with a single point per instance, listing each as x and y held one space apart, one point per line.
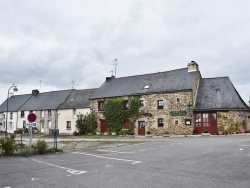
40 84
115 65
72 84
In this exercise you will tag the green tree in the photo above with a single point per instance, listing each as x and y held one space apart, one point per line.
9 145
86 123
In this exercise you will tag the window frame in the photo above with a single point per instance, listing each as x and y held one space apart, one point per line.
49 113
160 104
11 115
22 115
160 122
42 114
101 105
68 124
141 102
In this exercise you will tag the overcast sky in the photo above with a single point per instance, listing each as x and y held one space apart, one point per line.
60 41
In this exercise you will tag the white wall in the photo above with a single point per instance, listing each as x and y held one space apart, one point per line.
68 115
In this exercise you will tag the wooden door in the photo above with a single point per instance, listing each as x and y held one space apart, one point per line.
103 126
206 121
141 128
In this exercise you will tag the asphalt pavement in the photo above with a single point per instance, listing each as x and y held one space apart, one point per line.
221 161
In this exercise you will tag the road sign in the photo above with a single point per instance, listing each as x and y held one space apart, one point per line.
31 124
31 117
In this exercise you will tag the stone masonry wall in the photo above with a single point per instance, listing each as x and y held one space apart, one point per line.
230 118
170 104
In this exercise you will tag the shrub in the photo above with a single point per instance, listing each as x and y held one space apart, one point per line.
75 133
8 145
148 132
41 147
54 150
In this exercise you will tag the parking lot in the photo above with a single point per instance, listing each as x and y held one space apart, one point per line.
221 161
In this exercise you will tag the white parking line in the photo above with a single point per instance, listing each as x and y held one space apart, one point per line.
241 149
162 146
116 151
243 145
72 171
143 150
133 161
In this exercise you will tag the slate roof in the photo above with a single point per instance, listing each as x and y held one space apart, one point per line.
46 101
218 94
169 81
78 99
14 103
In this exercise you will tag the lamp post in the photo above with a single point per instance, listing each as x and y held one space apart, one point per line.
6 123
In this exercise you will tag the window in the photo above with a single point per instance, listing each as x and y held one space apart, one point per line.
176 122
100 105
24 124
49 113
42 114
141 102
160 104
22 114
146 86
160 122
125 105
11 115
68 125
74 113
205 120
178 100
198 120
188 122
10 125
31 111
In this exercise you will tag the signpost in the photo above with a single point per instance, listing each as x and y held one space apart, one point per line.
31 118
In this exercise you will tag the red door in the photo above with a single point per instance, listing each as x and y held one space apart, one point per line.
141 128
103 126
206 121
126 125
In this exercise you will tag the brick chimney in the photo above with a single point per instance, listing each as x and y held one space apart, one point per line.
193 66
35 92
109 78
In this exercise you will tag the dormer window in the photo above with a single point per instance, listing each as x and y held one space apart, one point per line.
146 86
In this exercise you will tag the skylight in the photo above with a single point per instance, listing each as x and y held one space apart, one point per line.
146 86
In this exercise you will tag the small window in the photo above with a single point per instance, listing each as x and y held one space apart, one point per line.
176 122
141 102
11 115
42 114
188 122
49 113
160 104
205 120
68 125
160 122
146 86
100 105
125 105
31 111
22 114
198 120
74 114
178 100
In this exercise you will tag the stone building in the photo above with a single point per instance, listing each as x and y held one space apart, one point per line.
169 96
180 101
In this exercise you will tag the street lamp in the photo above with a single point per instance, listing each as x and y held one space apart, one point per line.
6 123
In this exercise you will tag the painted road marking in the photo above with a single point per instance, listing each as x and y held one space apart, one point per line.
35 179
117 159
142 150
152 148
116 151
72 171
241 149
109 165
243 145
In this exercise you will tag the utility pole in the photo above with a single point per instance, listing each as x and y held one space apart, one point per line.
72 84
40 84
